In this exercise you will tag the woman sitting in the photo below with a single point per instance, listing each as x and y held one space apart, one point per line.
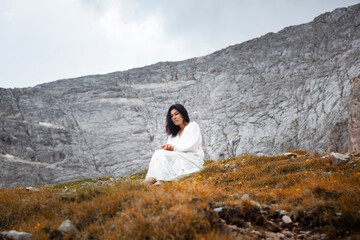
182 154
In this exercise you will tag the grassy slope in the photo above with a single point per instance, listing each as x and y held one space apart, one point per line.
183 209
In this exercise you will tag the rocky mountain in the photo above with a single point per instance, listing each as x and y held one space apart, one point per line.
283 90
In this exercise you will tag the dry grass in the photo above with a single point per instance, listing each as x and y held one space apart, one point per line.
183 209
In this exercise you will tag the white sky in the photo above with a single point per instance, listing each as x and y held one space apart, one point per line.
46 40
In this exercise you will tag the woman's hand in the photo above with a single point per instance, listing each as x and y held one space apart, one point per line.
168 147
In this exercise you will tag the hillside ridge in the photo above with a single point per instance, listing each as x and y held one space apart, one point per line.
298 195
284 90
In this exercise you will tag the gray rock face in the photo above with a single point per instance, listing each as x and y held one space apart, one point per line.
282 90
354 116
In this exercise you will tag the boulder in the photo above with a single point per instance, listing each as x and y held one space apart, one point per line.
245 197
265 207
255 204
67 226
338 158
290 154
219 209
15 235
32 189
286 219
287 233
234 195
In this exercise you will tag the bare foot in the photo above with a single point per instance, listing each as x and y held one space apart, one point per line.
159 183
149 181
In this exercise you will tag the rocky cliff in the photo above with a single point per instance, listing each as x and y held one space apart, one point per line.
354 116
283 90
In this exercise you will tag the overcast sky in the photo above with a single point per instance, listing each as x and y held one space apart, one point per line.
47 40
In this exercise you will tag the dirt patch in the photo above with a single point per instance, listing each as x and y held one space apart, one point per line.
239 215
322 222
332 223
322 193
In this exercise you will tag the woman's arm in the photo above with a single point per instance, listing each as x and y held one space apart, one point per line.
169 144
168 147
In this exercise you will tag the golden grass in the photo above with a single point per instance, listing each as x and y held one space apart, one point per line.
183 209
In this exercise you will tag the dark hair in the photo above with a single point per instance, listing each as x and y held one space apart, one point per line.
171 128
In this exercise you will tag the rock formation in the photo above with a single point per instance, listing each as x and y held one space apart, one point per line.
283 90
354 116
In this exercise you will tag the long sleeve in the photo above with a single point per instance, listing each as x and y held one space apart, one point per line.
190 140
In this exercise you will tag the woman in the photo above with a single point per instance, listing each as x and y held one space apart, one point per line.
182 154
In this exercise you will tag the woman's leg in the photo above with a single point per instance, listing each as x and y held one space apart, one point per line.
149 181
159 167
159 183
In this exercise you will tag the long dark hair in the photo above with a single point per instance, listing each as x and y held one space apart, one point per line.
171 128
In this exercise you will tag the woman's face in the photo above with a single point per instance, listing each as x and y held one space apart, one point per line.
176 117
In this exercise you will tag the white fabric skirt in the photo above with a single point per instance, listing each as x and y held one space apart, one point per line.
170 165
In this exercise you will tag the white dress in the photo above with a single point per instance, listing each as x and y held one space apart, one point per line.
187 157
